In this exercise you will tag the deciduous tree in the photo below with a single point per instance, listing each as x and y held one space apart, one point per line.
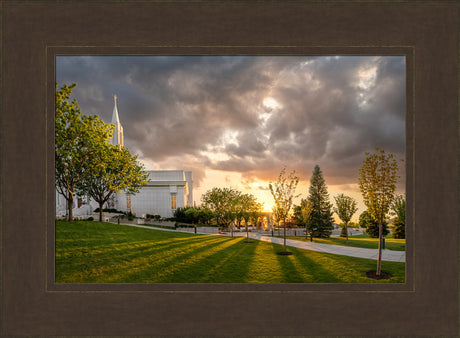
222 202
283 192
378 177
76 136
302 213
251 210
346 207
109 170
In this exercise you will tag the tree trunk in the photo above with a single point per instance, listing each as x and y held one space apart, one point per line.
247 231
346 230
379 259
284 223
100 211
70 207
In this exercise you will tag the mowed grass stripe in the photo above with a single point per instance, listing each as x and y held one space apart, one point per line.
242 256
135 255
157 268
116 248
263 269
198 265
107 267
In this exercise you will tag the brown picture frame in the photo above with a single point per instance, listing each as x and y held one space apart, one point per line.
34 32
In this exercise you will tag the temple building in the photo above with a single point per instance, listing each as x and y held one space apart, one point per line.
165 191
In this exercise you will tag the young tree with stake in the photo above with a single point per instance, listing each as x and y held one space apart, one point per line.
377 182
283 193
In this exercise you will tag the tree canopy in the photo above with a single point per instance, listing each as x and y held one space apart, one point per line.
302 213
85 162
109 170
377 182
223 203
345 209
283 192
76 138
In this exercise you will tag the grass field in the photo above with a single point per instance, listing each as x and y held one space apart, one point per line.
359 241
93 252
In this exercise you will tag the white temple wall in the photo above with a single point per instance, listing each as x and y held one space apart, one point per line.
152 200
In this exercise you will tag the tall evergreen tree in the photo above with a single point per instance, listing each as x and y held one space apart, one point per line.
320 221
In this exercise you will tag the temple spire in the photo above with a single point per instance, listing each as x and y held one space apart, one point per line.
115 118
118 132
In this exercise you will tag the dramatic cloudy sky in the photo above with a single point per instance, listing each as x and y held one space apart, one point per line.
238 120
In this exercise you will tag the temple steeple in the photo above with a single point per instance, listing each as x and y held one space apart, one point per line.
118 132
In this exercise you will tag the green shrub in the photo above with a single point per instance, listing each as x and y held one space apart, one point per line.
399 230
193 215
372 226
112 210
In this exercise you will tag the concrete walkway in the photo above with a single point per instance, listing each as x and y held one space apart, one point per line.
387 255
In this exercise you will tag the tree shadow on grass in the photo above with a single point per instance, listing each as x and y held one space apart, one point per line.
101 266
219 266
116 252
316 270
233 267
172 265
289 270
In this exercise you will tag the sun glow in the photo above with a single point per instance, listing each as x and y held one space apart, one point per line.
271 103
367 78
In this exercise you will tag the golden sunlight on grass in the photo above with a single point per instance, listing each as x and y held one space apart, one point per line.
93 252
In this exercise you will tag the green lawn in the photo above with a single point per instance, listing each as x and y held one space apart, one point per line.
358 241
93 252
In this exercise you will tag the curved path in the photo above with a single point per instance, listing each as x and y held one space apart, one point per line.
387 255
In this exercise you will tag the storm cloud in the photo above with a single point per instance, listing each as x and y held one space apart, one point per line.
251 115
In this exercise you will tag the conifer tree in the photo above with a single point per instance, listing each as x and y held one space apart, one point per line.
320 221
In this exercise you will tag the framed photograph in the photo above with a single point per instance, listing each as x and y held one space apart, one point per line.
225 95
